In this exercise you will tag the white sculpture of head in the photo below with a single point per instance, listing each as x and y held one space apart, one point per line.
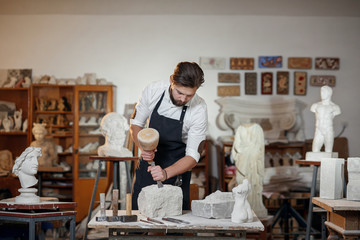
114 126
26 166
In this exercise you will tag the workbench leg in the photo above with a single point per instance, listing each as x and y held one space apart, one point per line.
32 229
72 227
312 194
93 199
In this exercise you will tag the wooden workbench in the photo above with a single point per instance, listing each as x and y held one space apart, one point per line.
197 225
343 216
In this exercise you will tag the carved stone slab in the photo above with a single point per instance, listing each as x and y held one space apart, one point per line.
331 178
353 186
270 61
266 82
327 63
229 77
241 63
233 90
299 62
251 83
322 80
300 85
282 83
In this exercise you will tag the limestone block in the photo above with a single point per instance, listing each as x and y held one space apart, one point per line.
353 186
216 205
160 202
331 178
317 156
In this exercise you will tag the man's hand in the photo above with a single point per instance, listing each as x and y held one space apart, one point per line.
148 155
157 173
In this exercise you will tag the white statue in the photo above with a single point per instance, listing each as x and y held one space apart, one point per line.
25 125
248 154
114 127
325 111
18 119
47 145
25 168
7 123
26 83
12 82
242 210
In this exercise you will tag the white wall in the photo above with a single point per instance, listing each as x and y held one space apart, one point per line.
133 50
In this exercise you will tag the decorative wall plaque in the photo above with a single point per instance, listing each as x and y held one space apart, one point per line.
212 63
241 63
299 62
229 77
233 90
300 85
270 61
324 63
251 83
321 80
282 82
266 82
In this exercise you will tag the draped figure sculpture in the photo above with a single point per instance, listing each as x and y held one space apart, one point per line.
248 154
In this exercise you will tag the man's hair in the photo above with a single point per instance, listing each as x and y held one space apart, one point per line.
188 74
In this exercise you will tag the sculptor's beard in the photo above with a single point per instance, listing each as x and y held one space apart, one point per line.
175 102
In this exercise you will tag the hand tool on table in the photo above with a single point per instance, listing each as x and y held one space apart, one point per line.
175 220
154 220
146 221
148 140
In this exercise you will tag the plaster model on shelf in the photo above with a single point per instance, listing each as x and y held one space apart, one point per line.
47 145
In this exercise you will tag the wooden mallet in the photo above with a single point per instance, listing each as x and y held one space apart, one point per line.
148 140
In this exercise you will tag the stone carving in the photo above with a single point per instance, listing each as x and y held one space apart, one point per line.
8 123
47 145
248 155
325 111
6 160
114 127
242 211
275 117
353 186
18 119
216 205
160 202
25 168
331 178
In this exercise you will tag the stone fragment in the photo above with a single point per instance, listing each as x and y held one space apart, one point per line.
353 186
216 205
160 202
331 178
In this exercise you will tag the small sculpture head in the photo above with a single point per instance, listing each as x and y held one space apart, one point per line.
39 131
27 163
326 92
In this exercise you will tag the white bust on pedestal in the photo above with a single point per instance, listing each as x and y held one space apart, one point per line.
325 111
25 168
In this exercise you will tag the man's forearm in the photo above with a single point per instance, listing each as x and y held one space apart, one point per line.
134 129
182 165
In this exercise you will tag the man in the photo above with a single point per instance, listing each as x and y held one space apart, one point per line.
180 116
325 111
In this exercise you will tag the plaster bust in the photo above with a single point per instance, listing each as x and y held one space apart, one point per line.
325 111
47 145
114 126
26 166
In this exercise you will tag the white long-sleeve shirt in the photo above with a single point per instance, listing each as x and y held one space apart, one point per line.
195 120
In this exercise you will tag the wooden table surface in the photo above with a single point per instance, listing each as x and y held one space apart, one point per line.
196 223
336 205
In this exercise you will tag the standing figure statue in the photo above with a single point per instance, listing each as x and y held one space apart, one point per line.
242 210
325 111
25 168
248 154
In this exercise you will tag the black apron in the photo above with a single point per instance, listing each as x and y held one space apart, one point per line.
169 150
